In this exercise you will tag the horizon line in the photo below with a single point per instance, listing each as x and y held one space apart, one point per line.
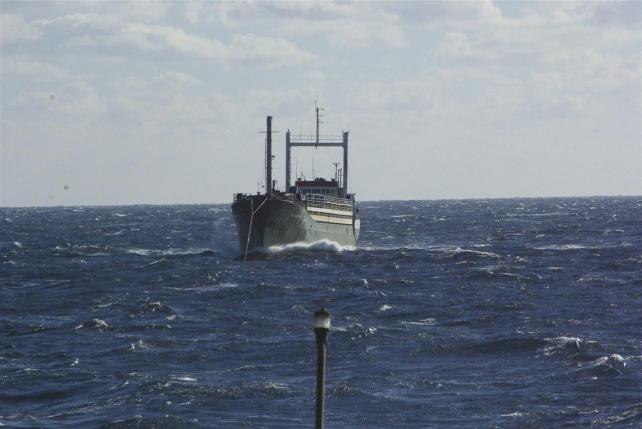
359 202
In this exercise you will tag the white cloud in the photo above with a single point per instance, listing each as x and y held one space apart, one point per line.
73 101
352 24
25 67
193 11
443 12
15 29
243 48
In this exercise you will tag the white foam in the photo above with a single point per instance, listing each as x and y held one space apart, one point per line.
423 322
459 250
559 343
515 414
168 252
614 361
385 307
561 247
142 252
184 378
223 238
94 323
317 245
138 346
206 288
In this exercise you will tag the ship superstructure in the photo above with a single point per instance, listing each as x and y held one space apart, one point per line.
307 211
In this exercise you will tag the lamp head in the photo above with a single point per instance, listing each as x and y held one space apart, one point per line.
322 320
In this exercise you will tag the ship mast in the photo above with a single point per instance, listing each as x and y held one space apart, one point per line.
268 157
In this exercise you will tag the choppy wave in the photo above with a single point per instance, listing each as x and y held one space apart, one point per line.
94 323
564 345
171 252
324 245
613 362
440 301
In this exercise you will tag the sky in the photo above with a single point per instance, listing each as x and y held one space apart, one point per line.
163 102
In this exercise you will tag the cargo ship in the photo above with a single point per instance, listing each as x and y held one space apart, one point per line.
306 211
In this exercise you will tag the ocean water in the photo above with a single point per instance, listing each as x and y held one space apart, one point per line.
498 313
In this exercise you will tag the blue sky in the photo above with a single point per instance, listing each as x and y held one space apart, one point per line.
162 102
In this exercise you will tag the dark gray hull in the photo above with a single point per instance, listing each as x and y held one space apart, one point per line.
281 221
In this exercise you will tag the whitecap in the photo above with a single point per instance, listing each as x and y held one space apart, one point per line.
385 307
630 413
613 362
94 323
560 344
271 385
183 378
317 245
119 215
423 322
168 252
561 247
515 414
17 244
138 346
456 250
142 252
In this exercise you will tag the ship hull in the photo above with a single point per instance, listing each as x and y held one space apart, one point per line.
278 221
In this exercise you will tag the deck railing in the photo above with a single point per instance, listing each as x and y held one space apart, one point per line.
326 202
312 138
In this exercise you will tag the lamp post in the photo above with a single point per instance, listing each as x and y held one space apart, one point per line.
321 329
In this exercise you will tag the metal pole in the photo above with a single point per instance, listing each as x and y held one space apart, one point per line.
288 179
345 164
321 354
321 329
317 134
268 157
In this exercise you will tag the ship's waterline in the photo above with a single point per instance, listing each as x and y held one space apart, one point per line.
279 221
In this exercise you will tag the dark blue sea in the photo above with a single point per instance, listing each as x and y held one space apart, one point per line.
473 313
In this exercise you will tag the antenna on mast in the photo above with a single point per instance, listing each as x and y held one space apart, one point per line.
336 170
319 115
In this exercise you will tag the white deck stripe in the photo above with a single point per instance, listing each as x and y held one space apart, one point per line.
330 211
331 219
